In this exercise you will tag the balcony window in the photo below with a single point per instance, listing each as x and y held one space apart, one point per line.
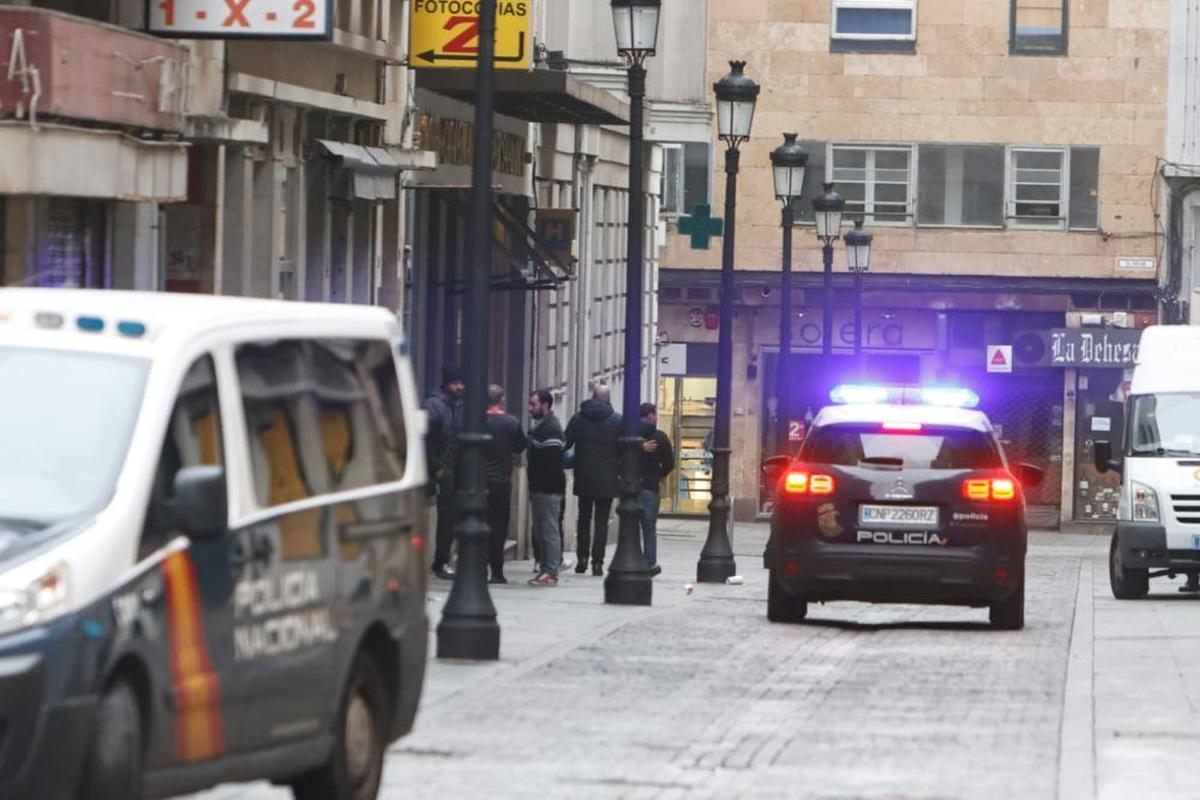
1039 27
685 180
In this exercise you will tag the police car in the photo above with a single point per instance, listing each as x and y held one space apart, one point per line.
899 495
211 544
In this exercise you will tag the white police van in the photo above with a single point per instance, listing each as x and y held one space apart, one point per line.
211 544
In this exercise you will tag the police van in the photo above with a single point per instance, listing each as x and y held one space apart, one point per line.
900 494
211 544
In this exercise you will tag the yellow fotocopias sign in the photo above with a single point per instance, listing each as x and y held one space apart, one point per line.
444 34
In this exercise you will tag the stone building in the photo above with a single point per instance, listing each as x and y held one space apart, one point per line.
1004 155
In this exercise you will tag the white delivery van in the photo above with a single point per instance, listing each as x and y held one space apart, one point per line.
1158 529
211 544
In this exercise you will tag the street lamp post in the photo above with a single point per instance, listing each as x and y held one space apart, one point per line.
737 95
858 256
629 581
828 207
788 162
468 629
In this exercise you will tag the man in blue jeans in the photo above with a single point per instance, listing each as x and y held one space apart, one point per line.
658 459
547 484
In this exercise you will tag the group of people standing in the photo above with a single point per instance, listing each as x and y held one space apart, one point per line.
590 446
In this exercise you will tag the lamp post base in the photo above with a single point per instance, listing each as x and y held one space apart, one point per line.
469 638
715 570
628 588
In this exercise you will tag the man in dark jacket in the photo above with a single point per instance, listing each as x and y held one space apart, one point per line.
445 411
658 460
595 434
507 440
547 484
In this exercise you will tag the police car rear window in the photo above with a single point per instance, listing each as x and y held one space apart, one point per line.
926 448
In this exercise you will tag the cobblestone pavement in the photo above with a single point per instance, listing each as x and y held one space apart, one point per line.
699 696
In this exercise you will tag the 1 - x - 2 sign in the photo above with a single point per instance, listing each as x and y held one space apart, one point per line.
444 34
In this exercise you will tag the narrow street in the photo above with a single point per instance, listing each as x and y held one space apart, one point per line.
700 696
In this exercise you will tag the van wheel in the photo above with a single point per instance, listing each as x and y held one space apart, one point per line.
113 770
783 607
1009 614
356 764
1127 584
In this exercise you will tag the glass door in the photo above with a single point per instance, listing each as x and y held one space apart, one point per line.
686 413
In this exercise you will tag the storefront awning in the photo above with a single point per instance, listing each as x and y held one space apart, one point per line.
370 172
46 161
540 95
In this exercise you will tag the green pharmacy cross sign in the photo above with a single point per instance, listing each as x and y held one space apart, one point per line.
701 226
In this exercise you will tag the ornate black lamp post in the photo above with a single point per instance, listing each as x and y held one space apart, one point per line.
858 256
828 207
788 162
737 95
469 629
629 581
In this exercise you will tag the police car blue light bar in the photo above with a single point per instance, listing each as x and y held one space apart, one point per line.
866 394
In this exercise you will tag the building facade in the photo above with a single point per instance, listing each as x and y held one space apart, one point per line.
259 168
1004 155
1180 170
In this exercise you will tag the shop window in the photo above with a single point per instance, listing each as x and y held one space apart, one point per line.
685 182
960 185
874 25
1039 27
876 182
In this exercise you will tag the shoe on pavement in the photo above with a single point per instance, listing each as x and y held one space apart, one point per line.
1192 585
655 570
581 568
544 579
443 573
597 568
497 579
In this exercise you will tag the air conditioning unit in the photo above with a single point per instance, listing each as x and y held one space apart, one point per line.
1030 349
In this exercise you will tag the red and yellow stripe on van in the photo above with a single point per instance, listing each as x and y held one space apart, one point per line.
199 728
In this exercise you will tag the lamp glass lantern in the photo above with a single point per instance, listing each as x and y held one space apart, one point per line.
636 24
737 94
828 208
788 162
858 248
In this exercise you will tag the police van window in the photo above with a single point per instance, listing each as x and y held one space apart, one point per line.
361 415
929 448
323 416
193 438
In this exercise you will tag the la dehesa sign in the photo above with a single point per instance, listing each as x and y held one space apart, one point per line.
1074 347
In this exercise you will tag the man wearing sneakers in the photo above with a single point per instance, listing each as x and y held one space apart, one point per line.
445 410
595 434
547 485
658 460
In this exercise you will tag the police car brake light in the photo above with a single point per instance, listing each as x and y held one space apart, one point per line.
902 427
984 489
798 482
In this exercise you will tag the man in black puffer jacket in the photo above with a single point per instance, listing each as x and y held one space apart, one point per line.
595 434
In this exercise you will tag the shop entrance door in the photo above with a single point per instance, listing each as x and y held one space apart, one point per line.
686 413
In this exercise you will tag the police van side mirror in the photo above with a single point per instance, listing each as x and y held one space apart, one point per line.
773 467
1103 456
200 504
